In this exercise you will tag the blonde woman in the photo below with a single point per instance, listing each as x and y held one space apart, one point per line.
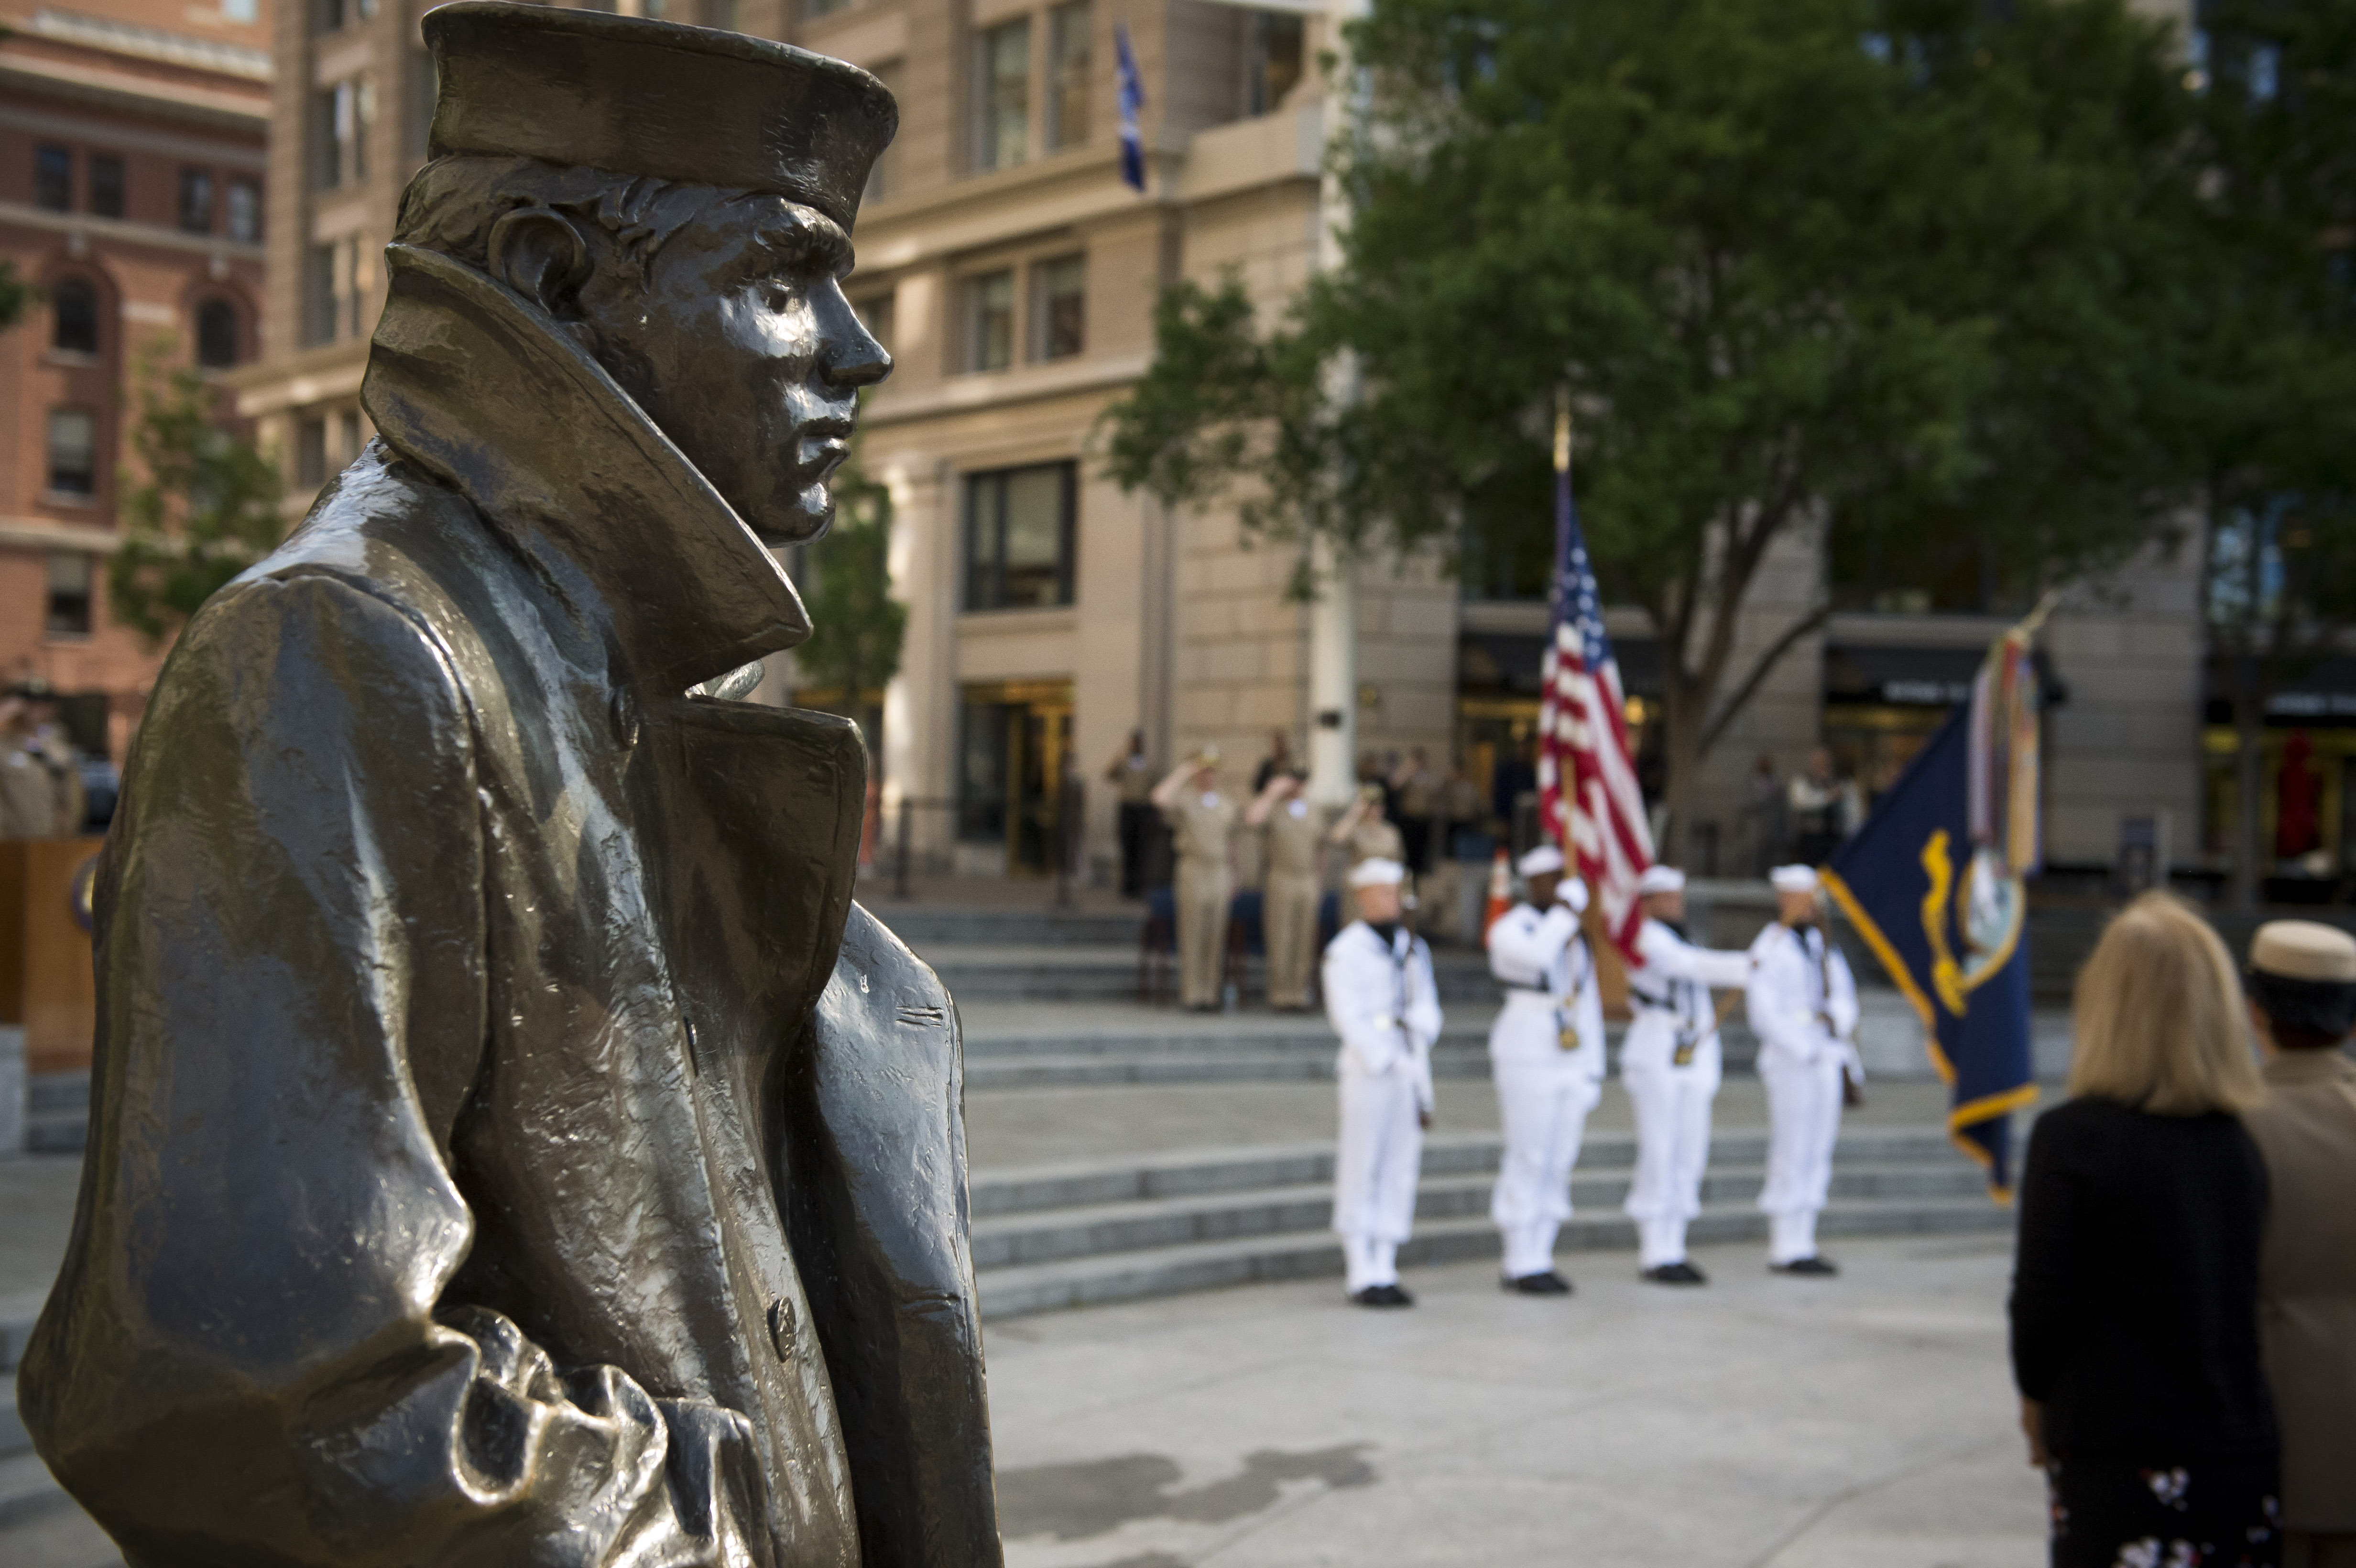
2135 1329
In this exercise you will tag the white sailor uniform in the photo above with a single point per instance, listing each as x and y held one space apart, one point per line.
1670 1064
1803 1007
1544 1091
1382 1001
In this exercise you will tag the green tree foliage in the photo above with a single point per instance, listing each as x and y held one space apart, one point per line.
1901 269
2268 403
202 506
858 627
16 296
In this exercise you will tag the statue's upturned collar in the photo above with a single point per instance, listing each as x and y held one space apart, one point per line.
478 387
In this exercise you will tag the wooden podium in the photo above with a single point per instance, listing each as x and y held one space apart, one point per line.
45 971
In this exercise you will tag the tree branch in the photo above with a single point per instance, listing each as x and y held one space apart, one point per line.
1760 671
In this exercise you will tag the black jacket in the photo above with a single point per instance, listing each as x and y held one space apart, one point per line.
2135 1292
509 1143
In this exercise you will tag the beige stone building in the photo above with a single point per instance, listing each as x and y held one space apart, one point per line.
1012 273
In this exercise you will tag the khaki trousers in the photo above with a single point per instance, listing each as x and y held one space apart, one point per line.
1203 891
1289 923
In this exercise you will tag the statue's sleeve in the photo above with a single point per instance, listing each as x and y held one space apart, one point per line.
875 1176
249 1356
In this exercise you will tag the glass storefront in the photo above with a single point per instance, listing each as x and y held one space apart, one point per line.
1014 738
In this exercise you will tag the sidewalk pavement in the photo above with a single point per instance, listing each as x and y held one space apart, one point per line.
1866 1421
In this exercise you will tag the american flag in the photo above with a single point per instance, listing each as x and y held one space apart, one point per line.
1588 797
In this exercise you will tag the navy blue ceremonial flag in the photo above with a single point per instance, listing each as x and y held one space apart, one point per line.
1930 885
1129 90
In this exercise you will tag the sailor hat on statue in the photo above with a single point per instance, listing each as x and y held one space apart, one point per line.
589 88
1543 861
1378 873
1793 879
1660 879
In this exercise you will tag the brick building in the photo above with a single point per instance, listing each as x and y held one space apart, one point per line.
132 136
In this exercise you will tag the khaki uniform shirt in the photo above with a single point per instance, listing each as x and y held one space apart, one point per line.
2306 1281
1201 829
1133 781
1292 835
40 793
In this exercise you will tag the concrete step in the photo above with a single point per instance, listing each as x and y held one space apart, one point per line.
1211 1264
1296 1064
1144 1033
1094 972
14 1439
57 1113
934 925
28 1490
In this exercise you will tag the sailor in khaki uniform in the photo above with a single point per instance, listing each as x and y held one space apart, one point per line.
1288 911
1803 1007
1670 1065
1545 1053
1201 821
1382 1001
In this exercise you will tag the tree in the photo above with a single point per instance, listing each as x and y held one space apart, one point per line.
858 627
1897 270
2269 394
205 507
16 296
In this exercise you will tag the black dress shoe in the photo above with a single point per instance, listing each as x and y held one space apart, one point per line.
1679 1272
1546 1282
1812 1266
1382 1296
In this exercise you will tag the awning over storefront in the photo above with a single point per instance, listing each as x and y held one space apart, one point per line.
2322 695
1897 675
1506 663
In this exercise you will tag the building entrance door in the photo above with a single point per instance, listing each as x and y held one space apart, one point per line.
1013 755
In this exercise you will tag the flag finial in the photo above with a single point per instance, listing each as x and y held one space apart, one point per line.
1562 428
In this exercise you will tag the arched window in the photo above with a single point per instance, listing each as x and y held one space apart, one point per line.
75 305
217 334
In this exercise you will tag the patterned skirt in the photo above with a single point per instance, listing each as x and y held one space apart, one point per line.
2213 1513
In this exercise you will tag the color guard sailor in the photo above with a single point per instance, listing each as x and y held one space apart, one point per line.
1382 1002
1803 1007
1545 1053
1670 1065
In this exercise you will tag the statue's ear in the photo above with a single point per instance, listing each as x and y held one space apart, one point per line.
541 255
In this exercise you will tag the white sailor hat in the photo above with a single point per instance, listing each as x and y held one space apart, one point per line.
1546 861
1660 879
1793 879
2304 950
1378 873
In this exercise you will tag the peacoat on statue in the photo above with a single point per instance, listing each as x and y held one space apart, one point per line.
509 1143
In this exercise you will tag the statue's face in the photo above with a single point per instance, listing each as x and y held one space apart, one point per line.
740 345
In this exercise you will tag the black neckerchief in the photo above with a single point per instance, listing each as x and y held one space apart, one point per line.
1386 930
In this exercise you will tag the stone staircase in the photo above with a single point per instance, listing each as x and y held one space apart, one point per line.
30 1500
1079 1235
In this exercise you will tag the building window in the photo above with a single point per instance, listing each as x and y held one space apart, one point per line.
73 452
320 298
1058 307
1068 75
326 16
197 201
348 426
105 185
424 87
883 177
874 313
217 334
343 112
721 13
68 612
1001 95
239 10
245 211
74 304
826 7
311 452
53 177
1276 60
1019 528
990 321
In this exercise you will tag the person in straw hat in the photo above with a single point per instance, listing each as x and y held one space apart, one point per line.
1802 1002
1670 1065
1545 1053
1382 1001
2301 985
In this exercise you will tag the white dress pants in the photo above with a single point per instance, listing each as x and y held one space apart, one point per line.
1803 1111
1673 1113
1375 1170
1544 1095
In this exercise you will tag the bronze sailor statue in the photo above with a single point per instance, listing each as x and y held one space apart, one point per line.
511 1144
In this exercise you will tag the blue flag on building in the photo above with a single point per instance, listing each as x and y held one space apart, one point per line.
1132 93
1933 883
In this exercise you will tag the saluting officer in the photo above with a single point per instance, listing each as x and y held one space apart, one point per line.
1545 1053
1802 1006
1670 1065
1202 823
1382 1000
1289 890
